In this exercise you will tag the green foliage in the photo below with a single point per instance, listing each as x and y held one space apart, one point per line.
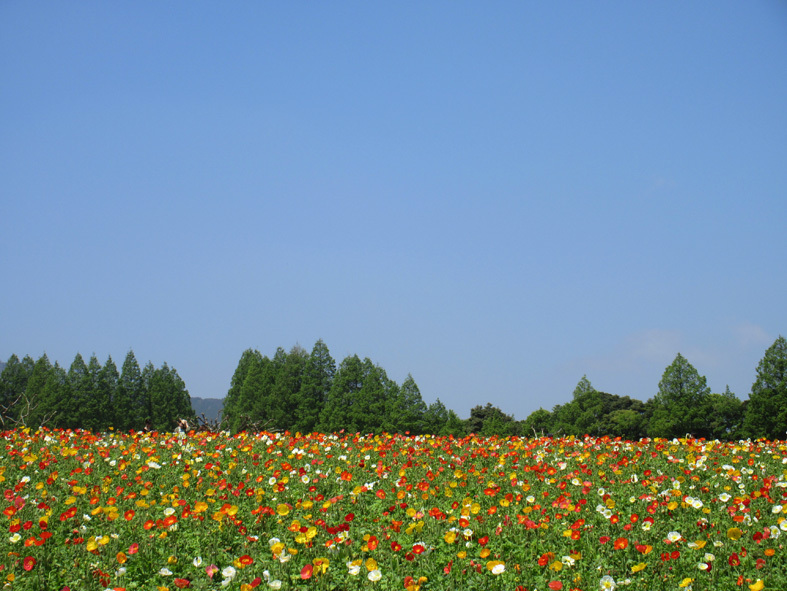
537 424
315 386
359 398
408 408
490 420
91 396
13 384
681 405
724 416
766 413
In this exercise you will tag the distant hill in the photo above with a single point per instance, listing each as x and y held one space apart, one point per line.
210 407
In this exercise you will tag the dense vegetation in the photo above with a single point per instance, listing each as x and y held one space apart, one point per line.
91 396
304 392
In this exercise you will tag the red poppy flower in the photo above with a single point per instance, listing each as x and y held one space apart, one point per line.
29 563
307 571
555 585
621 544
182 583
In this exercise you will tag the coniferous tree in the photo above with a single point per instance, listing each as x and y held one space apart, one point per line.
357 400
287 385
80 390
96 402
107 388
681 405
55 397
149 379
435 417
169 399
766 413
235 406
408 408
130 408
316 384
13 384
34 412
259 404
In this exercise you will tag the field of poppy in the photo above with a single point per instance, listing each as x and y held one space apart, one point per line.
164 511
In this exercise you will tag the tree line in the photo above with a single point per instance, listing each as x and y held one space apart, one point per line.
305 391
684 404
91 396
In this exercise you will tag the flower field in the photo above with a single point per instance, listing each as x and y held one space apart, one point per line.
278 511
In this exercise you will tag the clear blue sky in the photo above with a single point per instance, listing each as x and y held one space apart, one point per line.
496 197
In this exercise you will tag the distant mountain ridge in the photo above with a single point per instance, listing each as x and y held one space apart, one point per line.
210 407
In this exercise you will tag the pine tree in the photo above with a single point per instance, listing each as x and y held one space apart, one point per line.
766 413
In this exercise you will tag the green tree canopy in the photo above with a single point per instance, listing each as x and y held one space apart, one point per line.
766 413
681 405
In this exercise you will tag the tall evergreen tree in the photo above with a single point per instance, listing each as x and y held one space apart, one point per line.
234 404
316 384
130 409
408 408
110 379
149 381
681 405
13 384
435 417
55 396
766 413
34 411
80 390
106 389
287 385
169 399
359 398
258 398
96 403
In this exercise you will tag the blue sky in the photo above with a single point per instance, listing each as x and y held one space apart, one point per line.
496 197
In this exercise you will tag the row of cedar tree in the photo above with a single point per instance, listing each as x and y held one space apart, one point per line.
306 392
